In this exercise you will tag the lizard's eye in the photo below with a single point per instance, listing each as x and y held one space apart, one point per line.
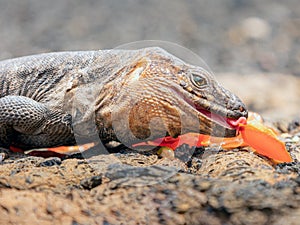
198 81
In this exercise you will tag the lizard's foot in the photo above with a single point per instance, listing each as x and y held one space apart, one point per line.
27 123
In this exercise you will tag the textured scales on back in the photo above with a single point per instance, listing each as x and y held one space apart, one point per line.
46 98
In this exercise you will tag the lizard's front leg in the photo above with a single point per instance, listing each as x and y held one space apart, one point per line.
27 123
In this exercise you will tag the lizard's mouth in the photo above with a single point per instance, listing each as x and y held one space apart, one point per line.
223 126
222 120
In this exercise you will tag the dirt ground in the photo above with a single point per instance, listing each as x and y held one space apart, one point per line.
254 49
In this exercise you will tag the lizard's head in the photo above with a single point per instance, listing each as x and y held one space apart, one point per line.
161 95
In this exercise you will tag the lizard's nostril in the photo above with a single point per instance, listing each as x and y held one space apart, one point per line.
243 111
238 109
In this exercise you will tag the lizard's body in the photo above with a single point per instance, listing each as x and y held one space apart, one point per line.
42 96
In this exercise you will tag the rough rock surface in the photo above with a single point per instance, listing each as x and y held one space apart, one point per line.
211 187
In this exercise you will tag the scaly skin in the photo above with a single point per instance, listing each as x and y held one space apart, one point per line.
129 94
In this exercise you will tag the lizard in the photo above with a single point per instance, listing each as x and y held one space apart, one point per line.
44 98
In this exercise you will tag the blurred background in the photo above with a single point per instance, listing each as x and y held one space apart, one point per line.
232 36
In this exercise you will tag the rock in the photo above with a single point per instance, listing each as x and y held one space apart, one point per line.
252 28
255 28
91 182
245 217
50 161
137 176
3 156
